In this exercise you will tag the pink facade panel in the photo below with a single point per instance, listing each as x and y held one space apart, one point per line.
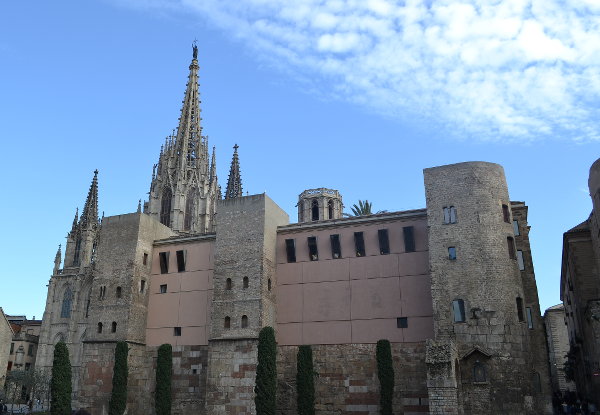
327 332
190 314
326 301
416 295
364 331
374 266
414 263
289 274
376 298
293 298
196 280
326 270
291 332
164 310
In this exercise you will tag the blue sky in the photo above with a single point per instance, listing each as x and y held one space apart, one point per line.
359 96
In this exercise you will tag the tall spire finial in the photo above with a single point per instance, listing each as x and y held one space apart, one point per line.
89 216
139 209
57 260
75 220
195 49
234 182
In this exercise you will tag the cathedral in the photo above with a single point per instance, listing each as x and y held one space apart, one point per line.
451 286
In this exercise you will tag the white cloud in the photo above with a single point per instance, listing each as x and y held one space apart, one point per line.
494 70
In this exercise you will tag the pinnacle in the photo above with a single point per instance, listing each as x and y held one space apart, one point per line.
234 182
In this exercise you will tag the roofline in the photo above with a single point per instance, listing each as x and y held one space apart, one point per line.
185 239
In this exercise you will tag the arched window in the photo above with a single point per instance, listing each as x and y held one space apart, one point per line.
99 327
113 327
315 209
246 282
330 208
77 254
165 207
244 322
65 311
189 210
228 284
479 372
119 292
227 322
269 284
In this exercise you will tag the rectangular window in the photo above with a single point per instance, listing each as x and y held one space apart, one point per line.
516 227
142 285
451 253
27 366
9 366
511 248
458 310
336 248
505 213
290 249
313 252
359 243
529 318
164 262
409 239
520 308
384 241
163 288
145 259
402 322
181 260
177 331
30 350
520 260
12 348
449 214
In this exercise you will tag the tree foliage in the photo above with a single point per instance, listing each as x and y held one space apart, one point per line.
118 398
164 365
60 385
363 208
385 373
266 373
305 381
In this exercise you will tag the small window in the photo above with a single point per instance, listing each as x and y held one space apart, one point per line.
520 260
180 260
330 209
449 214
409 239
113 327
402 322
246 282
336 248
359 243
194 371
102 292
99 327
537 383
290 249
163 288
12 348
479 372
269 284
244 322
520 308
458 309
27 366
228 284
315 209
142 286
384 241
516 227
451 253
119 292
510 242
164 262
227 322
30 350
505 213
529 318
145 259
313 252
177 331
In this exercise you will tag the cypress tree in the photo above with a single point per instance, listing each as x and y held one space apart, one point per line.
266 373
385 372
118 398
305 381
60 385
164 365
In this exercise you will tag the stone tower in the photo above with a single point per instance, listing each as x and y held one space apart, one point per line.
184 189
319 204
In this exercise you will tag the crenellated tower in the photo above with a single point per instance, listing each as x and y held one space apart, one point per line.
184 189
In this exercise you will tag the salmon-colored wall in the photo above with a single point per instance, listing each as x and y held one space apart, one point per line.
354 299
186 303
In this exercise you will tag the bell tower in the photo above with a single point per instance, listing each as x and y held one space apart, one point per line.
319 204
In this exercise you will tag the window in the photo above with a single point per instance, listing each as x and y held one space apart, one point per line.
113 327
269 284
65 311
529 318
479 372
244 322
77 254
312 248
520 260
228 284
458 310
189 210
336 248
142 286
12 348
315 209
165 207
27 366
164 262
402 322
451 253
119 292
537 383
384 241
359 243
180 260
99 327
102 292
290 249
409 239
227 322
163 288
30 350
177 331
516 227
449 214
9 366
330 209
246 282
511 247
145 259
520 308
505 213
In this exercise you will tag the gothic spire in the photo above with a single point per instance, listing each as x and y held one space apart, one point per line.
234 182
213 166
75 220
57 260
89 216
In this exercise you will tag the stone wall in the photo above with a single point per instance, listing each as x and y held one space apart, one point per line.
5 341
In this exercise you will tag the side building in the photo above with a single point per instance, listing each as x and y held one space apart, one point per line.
558 348
6 334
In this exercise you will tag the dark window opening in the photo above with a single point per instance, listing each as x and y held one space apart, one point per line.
330 208
194 371
315 209
119 292
113 327
511 248
189 211
164 262
312 248
163 288
9 366
336 248
529 317
451 253
458 310
65 311
77 254
269 284
520 308
290 249
409 239
30 350
228 284
537 383
180 260
246 282
449 214
142 286
505 213
99 327
27 366
227 322
244 322
177 331
165 207
384 241
359 243
402 322
145 259
479 372
12 348
516 227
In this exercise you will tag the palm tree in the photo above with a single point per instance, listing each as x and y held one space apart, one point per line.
363 208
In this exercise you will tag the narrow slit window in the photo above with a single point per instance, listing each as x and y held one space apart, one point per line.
290 249
529 318
181 260
520 308
452 253
516 227
336 248
458 310
163 288
330 209
384 241
313 252
177 331
315 209
520 260
409 238
511 247
244 322
246 282
269 284
227 322
228 284
449 214
99 327
164 262
402 322
113 327
359 243
119 292
142 286
505 213
145 259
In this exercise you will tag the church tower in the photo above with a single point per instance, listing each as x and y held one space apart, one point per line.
184 189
